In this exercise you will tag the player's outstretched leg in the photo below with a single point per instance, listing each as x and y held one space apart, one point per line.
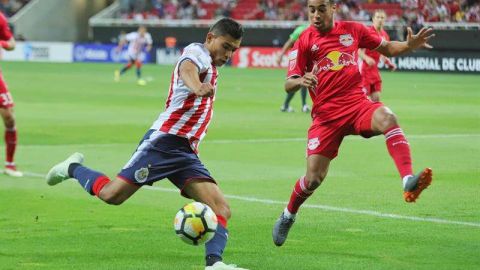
59 172
414 185
205 191
283 224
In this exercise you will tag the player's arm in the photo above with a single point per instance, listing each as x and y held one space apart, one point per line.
189 75
8 45
388 63
309 80
394 48
287 46
365 57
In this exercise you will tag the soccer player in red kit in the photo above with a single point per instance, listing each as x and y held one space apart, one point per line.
7 42
369 66
324 60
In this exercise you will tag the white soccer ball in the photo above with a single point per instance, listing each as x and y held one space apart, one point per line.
195 223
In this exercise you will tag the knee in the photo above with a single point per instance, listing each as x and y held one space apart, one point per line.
9 121
315 179
111 198
388 120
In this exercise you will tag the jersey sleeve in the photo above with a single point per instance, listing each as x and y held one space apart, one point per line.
297 59
368 38
148 39
197 56
296 33
131 36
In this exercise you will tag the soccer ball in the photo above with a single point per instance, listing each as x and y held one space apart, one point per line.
195 223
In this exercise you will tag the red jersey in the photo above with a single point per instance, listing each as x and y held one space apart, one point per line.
334 54
371 73
5 33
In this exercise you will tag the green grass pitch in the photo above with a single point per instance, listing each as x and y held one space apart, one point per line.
356 220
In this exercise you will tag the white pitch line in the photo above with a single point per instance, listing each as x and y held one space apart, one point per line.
316 206
339 209
264 140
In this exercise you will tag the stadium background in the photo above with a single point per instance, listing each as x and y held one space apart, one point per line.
67 101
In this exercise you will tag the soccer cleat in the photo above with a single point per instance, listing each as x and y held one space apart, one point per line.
223 266
287 109
59 172
306 108
141 82
416 184
116 75
11 170
281 228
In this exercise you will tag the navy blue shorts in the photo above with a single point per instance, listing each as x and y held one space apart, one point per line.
160 156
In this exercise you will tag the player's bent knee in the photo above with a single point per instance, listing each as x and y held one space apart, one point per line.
112 198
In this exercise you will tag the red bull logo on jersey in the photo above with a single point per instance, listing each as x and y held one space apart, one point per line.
346 40
335 61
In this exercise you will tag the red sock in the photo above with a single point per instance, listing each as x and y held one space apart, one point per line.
399 150
299 195
11 144
100 182
222 220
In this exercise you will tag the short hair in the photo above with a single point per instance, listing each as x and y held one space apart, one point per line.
379 11
227 26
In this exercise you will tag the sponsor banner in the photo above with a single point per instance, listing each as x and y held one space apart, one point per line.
104 53
449 62
465 62
259 57
40 52
168 56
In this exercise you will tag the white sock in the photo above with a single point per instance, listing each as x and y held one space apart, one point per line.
404 180
289 215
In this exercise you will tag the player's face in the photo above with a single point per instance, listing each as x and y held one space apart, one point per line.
142 31
320 14
379 19
221 48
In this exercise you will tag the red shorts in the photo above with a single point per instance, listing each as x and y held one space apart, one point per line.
325 137
6 100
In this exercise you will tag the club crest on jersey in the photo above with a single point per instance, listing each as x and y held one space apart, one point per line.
141 175
313 143
346 40
314 48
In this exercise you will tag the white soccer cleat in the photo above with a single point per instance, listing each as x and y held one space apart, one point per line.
59 172
12 171
223 266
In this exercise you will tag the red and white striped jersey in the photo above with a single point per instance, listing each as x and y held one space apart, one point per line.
187 115
136 43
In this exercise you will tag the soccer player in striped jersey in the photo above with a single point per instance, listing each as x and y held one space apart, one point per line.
169 148
7 42
137 41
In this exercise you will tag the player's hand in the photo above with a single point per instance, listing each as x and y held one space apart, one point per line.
392 67
205 90
369 60
420 39
279 60
309 80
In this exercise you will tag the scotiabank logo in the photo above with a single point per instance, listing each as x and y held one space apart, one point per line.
259 57
335 61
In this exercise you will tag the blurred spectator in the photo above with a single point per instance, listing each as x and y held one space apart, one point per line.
10 7
411 12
